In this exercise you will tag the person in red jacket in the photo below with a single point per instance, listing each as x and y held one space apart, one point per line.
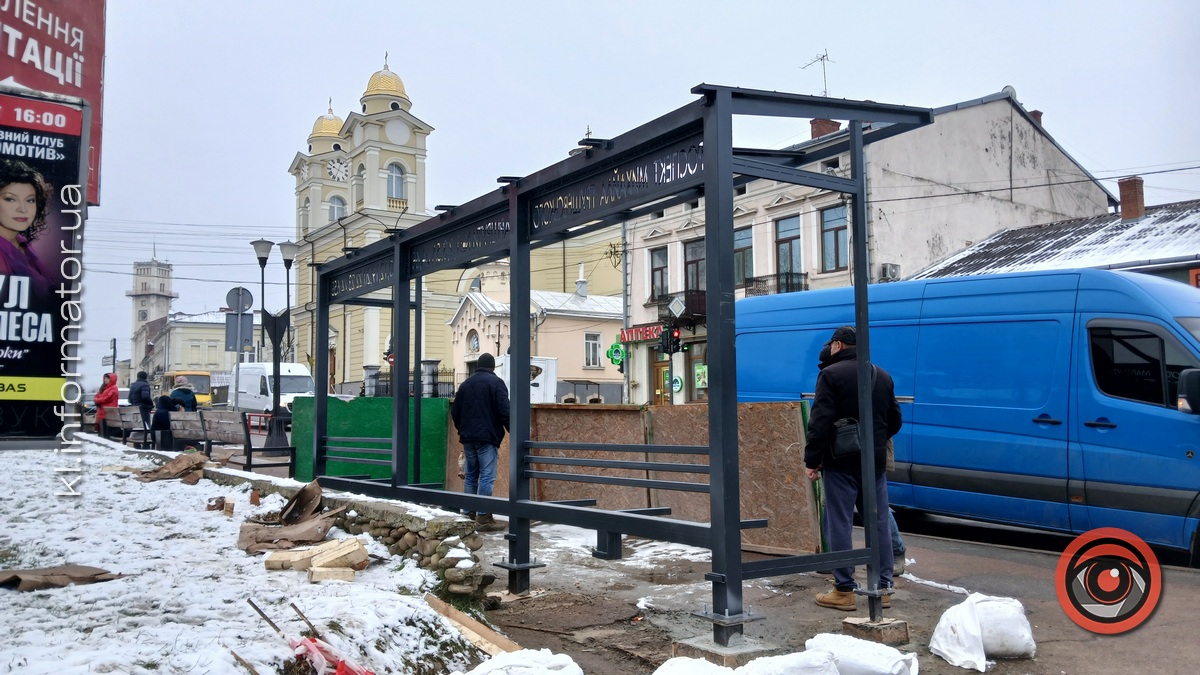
107 396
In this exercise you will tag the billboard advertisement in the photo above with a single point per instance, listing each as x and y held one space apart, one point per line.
57 46
42 210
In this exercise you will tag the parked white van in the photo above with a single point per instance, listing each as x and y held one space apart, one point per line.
254 382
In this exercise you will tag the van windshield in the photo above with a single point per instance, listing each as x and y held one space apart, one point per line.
296 384
1191 324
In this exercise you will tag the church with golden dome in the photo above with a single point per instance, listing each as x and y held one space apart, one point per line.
360 176
364 175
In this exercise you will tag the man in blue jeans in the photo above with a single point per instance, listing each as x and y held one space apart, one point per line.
836 399
480 413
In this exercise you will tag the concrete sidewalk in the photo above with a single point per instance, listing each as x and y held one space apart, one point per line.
669 590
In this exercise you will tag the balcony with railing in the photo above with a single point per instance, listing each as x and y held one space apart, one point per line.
691 303
781 282
395 204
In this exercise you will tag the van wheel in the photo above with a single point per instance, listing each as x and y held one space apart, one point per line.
1194 559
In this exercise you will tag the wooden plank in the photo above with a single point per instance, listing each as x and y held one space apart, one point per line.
297 559
316 574
348 553
480 635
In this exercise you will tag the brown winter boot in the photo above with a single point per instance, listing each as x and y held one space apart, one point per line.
484 522
835 599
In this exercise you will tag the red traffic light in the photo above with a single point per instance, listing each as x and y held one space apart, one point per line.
675 333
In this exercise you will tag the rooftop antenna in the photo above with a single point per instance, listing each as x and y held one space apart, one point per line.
823 58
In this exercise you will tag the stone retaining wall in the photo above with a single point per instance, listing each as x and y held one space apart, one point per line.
438 544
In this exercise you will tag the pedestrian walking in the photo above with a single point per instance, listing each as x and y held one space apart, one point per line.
835 404
480 413
107 396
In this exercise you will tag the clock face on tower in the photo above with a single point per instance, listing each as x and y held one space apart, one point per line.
304 172
339 169
142 315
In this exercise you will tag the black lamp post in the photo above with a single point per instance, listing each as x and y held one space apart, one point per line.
288 250
275 326
262 249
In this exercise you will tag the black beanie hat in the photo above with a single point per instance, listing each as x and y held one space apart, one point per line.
486 361
845 335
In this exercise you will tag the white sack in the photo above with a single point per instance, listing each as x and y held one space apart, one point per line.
983 627
813 662
863 657
1006 631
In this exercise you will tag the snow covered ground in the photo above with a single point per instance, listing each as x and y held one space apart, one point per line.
182 606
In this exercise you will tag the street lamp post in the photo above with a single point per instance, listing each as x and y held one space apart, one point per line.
276 327
262 249
288 250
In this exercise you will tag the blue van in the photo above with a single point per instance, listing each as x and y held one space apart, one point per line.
1043 399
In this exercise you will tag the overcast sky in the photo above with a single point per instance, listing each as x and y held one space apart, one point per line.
207 103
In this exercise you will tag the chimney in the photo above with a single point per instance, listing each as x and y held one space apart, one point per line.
581 283
821 127
1037 116
1133 200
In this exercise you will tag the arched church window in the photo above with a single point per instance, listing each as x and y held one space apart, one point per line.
337 208
395 181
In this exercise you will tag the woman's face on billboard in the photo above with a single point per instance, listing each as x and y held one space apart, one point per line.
18 208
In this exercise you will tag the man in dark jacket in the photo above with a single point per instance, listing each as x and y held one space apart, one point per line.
480 413
837 399
139 395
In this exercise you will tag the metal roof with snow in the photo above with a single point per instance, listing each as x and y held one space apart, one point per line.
1167 235
567 305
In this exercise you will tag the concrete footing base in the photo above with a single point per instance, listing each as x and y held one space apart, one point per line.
886 631
741 650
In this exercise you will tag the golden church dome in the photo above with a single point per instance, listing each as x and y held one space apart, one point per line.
385 82
327 125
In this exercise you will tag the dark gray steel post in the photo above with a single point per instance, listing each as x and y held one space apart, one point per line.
402 350
321 400
418 383
862 323
724 502
518 370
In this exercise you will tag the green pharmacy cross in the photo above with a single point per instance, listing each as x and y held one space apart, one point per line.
616 353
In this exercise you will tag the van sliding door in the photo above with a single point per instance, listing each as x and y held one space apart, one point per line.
990 411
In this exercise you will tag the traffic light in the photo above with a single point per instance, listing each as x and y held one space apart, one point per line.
664 342
674 344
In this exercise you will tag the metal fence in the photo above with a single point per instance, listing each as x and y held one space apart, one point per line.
441 386
780 282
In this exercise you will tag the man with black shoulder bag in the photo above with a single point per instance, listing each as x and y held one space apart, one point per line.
833 450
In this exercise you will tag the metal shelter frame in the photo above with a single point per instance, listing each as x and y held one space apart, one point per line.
681 156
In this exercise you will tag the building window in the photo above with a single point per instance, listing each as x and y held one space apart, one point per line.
337 208
743 255
395 181
739 191
591 350
787 246
693 265
697 371
658 273
835 240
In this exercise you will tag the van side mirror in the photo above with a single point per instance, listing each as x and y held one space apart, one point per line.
1189 391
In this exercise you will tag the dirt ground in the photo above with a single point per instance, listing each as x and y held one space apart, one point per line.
622 617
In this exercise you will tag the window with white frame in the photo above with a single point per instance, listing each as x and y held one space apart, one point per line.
658 273
835 240
591 350
395 181
337 208
743 255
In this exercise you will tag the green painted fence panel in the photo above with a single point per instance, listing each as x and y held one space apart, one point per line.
371 417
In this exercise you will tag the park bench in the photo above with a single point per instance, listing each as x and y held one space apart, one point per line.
226 427
186 429
127 422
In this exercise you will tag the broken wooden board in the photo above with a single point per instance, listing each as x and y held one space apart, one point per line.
296 559
347 553
55 577
176 468
257 538
316 574
480 635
